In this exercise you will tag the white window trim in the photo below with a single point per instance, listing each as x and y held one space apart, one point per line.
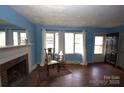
53 32
4 30
19 39
103 52
73 42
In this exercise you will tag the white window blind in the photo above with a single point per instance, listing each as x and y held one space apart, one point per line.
69 43
98 48
23 38
2 39
49 40
15 38
78 43
73 43
52 40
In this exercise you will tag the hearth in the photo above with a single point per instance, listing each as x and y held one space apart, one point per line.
14 71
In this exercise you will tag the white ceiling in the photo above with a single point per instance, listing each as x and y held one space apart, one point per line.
73 15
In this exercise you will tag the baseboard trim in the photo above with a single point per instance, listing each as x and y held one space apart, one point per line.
73 62
84 64
95 62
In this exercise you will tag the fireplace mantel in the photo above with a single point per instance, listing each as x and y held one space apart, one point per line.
12 52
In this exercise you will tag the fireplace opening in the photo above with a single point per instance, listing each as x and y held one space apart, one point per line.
16 73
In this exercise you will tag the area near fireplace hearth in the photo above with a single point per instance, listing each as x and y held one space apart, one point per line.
11 58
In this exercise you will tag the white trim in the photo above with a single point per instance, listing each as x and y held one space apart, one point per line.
73 62
102 35
84 64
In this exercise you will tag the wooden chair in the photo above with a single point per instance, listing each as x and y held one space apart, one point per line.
50 60
60 63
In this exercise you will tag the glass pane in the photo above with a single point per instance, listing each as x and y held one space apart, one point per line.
98 49
98 40
56 43
23 38
78 43
49 40
15 38
2 39
69 42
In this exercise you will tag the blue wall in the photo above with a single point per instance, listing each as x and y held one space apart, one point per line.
38 41
9 26
118 29
35 31
89 38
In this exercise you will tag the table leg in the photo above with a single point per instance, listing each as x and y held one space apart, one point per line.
47 71
58 68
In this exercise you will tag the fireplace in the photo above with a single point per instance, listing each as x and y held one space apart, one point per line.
16 73
14 70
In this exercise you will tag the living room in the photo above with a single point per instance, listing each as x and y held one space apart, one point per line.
87 38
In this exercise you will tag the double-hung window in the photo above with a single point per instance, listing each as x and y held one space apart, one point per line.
52 40
19 38
69 43
15 38
73 43
2 39
23 38
99 45
79 43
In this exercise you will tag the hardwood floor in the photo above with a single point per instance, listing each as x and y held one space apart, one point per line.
93 75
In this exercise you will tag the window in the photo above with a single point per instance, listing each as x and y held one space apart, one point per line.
73 43
52 40
78 43
98 48
49 40
15 38
69 42
23 38
19 38
2 39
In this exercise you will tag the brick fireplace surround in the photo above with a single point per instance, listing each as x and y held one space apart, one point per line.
7 65
13 61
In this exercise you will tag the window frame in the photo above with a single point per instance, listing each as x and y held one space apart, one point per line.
103 44
53 32
73 42
19 37
82 40
5 38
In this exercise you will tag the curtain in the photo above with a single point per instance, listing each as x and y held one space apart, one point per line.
61 41
84 59
43 46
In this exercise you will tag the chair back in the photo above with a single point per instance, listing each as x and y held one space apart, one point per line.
49 52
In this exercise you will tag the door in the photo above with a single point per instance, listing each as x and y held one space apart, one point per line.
111 48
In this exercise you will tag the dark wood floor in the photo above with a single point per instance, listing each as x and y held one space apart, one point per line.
93 75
